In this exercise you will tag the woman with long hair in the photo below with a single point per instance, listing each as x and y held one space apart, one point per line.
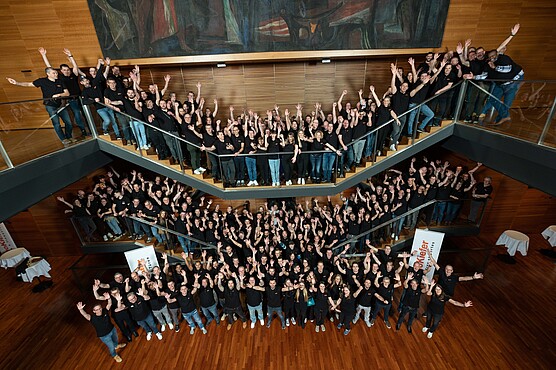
288 303
435 309
346 306
302 296
322 302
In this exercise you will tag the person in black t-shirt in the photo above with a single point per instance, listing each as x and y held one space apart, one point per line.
93 96
141 312
347 304
114 99
410 300
82 215
480 194
104 328
384 293
364 301
70 79
435 309
52 90
206 298
400 104
188 308
254 300
446 277
232 302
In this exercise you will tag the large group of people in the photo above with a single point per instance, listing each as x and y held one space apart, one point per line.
280 147
312 288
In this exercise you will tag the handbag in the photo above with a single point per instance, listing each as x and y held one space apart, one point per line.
310 302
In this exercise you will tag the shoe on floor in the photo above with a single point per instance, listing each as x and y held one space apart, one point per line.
425 329
429 335
159 336
191 331
317 328
149 336
118 358
121 345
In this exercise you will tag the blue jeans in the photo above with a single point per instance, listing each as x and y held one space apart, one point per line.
140 228
452 210
397 229
274 165
505 92
239 162
55 118
327 166
346 159
148 324
369 144
193 318
111 341
316 164
113 223
184 243
138 129
438 213
211 313
161 238
255 312
278 311
108 118
429 114
358 147
251 164
76 109
379 306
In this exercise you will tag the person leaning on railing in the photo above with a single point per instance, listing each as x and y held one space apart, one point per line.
53 90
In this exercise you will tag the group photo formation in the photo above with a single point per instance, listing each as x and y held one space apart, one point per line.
287 184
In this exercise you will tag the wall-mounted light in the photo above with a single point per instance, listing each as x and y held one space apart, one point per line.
325 61
221 65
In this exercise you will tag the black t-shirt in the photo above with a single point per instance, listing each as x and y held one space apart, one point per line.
129 107
157 303
366 297
222 148
383 114
237 141
103 325
347 306
359 130
186 302
140 309
347 134
480 189
273 147
412 297
436 305
114 95
274 297
400 102
416 200
332 139
206 296
189 135
166 121
71 83
231 297
448 283
254 297
317 145
420 95
444 192
442 81
209 140
91 93
80 211
386 292
50 88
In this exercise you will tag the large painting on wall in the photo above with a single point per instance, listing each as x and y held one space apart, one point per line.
157 28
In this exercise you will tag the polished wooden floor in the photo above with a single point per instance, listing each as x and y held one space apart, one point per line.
511 325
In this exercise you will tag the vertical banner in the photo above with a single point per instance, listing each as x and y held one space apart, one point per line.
422 241
6 241
141 260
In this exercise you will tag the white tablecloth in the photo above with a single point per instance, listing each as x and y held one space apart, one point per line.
13 257
514 241
550 234
36 269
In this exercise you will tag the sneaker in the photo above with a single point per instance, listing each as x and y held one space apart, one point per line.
346 332
425 329
268 325
317 328
105 133
393 235
118 358
110 235
368 323
191 331
171 326
177 328
393 147
372 322
244 324
250 183
299 181
287 322
420 130
149 239
105 238
302 181
204 330
429 335
339 326
121 345
323 328
163 327
224 317
159 336
331 319
409 329
149 336
229 327
388 324
283 327
202 169
261 321
396 238
253 325
255 183
197 172
293 321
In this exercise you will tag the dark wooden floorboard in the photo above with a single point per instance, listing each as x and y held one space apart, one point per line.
510 326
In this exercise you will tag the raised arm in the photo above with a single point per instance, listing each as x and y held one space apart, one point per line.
80 307
505 43
74 67
22 84
340 99
42 51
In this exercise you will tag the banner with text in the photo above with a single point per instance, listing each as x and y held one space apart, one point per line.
6 241
422 241
141 260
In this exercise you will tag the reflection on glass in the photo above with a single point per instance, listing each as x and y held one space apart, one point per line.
28 130
485 105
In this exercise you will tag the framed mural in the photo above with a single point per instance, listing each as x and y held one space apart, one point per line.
129 29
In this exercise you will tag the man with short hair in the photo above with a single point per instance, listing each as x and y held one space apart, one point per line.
52 91
480 194
142 314
104 328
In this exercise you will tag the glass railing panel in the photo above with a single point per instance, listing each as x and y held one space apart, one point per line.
31 129
548 136
490 105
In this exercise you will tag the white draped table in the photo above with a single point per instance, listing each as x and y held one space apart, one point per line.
13 257
550 234
36 269
514 241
